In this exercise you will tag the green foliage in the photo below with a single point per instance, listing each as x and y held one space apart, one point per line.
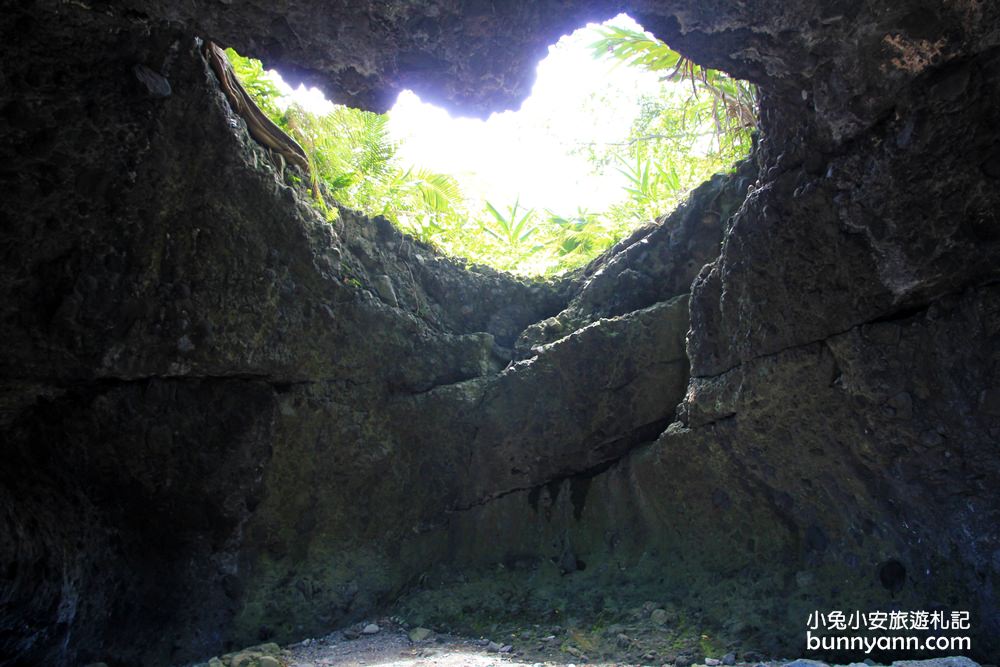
349 152
698 124
734 102
508 227
649 189
582 236
257 82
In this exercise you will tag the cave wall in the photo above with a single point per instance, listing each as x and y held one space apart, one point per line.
227 420
159 333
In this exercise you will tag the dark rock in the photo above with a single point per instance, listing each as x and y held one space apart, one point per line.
989 401
232 586
155 83
383 285
902 406
420 634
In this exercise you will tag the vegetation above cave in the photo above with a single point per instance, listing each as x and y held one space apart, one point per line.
697 122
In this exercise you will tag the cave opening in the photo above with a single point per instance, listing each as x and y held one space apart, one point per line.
617 131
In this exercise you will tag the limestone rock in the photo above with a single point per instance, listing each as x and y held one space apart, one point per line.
953 661
420 634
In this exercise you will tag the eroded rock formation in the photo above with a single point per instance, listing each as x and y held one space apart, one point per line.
226 420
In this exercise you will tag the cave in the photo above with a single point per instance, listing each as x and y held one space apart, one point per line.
783 399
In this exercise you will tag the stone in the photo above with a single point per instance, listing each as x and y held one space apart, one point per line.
493 647
552 325
989 401
931 438
902 406
659 616
370 629
383 285
184 344
729 659
804 579
268 661
712 662
156 84
244 659
420 634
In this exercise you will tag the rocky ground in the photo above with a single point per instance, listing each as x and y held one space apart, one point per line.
389 643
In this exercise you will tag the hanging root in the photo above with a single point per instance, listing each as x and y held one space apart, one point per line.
261 128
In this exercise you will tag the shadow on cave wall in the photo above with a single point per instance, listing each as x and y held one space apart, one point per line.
217 429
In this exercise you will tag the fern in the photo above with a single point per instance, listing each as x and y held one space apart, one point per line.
439 192
734 101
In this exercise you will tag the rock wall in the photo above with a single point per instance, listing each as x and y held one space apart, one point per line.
167 302
226 420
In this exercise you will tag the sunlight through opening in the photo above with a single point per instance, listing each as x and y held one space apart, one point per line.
610 138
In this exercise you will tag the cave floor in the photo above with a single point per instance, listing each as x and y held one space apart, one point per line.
392 647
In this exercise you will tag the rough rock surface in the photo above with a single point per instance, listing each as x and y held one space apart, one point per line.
225 421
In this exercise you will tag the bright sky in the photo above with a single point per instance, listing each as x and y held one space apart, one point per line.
526 153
